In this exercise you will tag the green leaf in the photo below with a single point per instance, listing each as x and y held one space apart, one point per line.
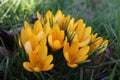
113 73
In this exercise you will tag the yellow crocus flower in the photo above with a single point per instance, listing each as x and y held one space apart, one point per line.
74 55
28 39
39 60
56 38
98 43
83 35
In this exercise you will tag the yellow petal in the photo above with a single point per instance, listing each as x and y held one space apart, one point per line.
19 42
50 40
80 29
86 33
33 58
72 65
104 46
85 42
83 51
47 28
40 35
66 55
26 25
28 47
49 67
34 41
56 27
73 49
70 26
23 36
42 52
28 66
36 69
98 41
38 16
65 22
66 47
80 59
94 37
37 27
58 15
43 40
61 36
48 60
56 45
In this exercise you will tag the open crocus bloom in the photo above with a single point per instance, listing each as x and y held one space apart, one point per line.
30 37
79 32
74 55
83 34
98 43
56 38
39 60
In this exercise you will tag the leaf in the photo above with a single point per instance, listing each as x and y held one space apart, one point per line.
113 72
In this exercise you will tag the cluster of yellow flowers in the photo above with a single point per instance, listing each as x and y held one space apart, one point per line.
58 32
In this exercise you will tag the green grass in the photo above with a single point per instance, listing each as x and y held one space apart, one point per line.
102 15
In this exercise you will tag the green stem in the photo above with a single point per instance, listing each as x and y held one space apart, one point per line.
37 76
42 76
81 73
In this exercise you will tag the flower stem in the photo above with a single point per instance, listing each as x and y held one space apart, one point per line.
42 76
37 76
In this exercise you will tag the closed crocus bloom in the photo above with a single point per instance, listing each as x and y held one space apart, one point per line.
49 17
74 54
56 38
39 60
98 43
59 17
71 27
40 18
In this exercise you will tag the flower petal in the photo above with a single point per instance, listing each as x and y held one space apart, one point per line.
50 40
28 66
28 47
83 51
66 47
85 42
56 45
104 46
47 28
26 25
80 59
86 33
48 60
40 35
36 69
23 36
80 29
49 67
67 58
37 27
42 52
72 65
38 16
33 58
73 49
